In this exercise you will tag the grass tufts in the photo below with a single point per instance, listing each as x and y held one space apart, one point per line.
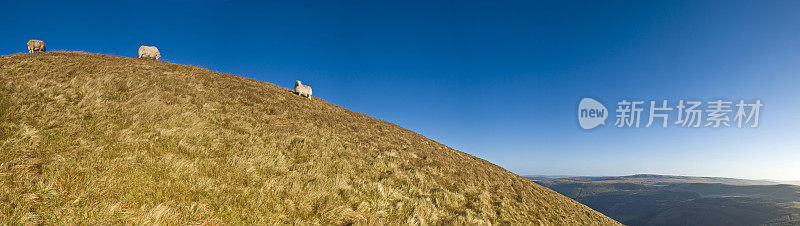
97 139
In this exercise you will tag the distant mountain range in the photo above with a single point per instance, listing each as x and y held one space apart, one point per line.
792 182
652 179
646 199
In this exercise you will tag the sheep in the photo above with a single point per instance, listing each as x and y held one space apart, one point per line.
302 90
149 52
36 45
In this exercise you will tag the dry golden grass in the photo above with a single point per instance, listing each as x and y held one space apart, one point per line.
97 139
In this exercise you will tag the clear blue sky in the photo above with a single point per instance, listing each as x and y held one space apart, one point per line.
499 80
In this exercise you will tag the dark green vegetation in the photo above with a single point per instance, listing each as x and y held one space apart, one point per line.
97 139
677 200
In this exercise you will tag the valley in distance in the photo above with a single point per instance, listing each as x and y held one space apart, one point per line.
648 199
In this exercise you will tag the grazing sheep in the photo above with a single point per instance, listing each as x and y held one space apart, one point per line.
36 45
302 90
149 52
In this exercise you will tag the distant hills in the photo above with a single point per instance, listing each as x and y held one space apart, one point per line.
653 179
647 199
792 182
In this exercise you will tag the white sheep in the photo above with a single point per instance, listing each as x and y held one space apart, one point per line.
302 90
36 45
149 52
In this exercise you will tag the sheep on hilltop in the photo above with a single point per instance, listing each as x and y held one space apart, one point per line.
149 52
36 45
302 90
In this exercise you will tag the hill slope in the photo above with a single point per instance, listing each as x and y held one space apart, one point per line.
100 139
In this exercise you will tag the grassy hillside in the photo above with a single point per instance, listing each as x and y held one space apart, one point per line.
94 139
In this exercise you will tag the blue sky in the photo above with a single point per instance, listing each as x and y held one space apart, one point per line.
499 80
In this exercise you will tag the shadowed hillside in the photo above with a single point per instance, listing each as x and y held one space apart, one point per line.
90 138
